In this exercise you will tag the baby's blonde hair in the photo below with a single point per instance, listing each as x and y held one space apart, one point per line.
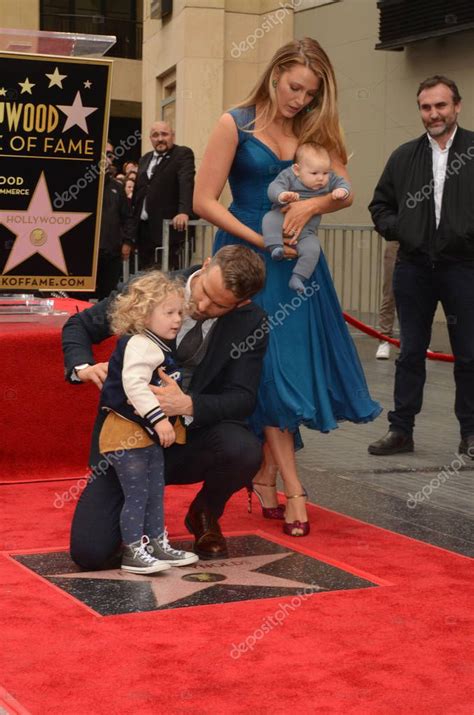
303 150
130 311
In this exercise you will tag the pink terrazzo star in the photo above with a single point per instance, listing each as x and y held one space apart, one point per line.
38 229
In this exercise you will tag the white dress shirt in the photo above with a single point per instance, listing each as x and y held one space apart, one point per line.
154 161
189 322
440 161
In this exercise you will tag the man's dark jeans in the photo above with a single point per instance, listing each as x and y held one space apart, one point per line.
417 289
224 457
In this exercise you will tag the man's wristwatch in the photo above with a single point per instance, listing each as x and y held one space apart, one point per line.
74 376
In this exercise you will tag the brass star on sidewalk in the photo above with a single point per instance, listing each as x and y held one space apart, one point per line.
26 86
177 584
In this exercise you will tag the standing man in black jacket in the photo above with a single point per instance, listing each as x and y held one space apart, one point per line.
163 190
116 231
424 201
221 374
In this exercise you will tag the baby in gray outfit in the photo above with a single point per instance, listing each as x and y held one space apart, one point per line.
309 176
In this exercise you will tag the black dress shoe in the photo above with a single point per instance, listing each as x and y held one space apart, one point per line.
466 446
209 541
392 443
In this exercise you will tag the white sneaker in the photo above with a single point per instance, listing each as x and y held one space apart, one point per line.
162 550
383 351
136 558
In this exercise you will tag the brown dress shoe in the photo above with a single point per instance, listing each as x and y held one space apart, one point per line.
392 443
209 540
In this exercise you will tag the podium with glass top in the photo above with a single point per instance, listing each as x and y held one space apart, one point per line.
54 112
66 44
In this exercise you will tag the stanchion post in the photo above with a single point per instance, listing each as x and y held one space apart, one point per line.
126 269
165 258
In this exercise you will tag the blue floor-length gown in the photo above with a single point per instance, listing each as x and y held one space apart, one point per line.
311 372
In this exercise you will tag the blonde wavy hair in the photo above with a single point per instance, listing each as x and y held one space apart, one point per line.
321 123
130 311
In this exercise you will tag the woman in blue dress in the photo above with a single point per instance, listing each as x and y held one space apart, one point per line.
312 374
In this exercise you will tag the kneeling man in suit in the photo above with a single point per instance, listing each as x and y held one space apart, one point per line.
219 391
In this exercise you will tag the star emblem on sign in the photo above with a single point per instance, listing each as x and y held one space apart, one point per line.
56 79
39 228
178 584
76 114
26 86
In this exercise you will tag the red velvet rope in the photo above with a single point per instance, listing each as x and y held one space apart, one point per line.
443 357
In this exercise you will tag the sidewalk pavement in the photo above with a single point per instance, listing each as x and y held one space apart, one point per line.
427 494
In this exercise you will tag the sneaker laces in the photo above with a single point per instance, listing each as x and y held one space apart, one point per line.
166 546
141 551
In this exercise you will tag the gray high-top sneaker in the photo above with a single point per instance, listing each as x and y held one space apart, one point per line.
161 549
136 558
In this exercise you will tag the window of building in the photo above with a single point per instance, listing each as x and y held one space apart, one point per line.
167 98
403 22
121 18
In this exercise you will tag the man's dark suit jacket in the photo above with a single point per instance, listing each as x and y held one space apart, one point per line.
224 385
168 192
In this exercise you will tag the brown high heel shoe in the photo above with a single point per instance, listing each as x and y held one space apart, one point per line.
268 512
302 526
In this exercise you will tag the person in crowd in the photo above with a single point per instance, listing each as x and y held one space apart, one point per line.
309 176
163 190
387 306
130 167
312 375
217 395
129 187
423 200
147 317
116 231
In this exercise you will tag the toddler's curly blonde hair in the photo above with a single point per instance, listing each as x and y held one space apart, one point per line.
130 311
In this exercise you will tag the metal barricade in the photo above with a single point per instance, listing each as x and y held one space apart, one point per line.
355 258
127 272
354 255
195 248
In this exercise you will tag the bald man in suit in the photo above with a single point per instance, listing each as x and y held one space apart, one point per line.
163 190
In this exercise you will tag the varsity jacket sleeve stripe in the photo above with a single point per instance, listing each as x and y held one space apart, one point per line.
141 358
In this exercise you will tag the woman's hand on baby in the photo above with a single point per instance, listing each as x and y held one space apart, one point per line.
289 251
297 216
287 197
165 431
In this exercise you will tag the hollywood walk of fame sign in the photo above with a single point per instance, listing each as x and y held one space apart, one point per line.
53 130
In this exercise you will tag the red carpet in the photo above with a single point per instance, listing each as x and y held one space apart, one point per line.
402 647
45 423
